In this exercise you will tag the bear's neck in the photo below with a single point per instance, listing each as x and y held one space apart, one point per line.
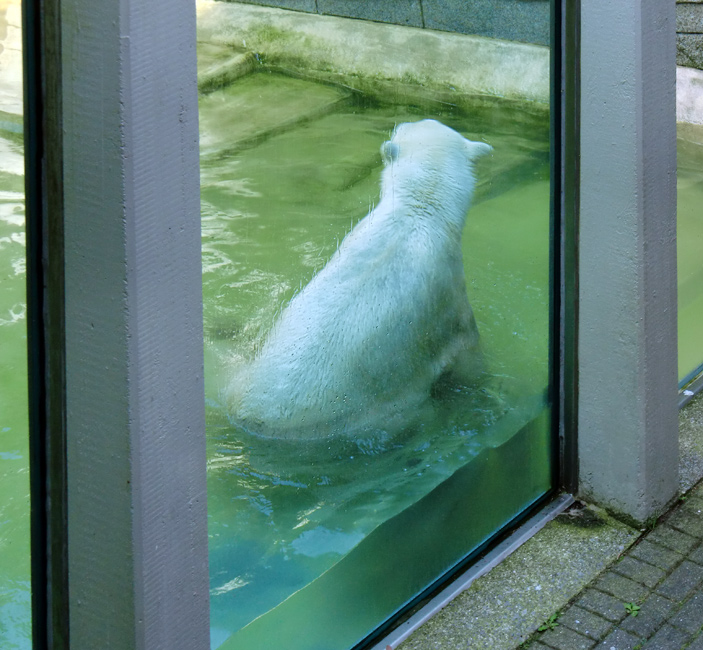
442 195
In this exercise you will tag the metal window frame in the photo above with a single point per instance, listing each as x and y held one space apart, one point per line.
45 323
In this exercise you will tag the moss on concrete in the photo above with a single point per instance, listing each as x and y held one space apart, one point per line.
691 443
365 50
502 609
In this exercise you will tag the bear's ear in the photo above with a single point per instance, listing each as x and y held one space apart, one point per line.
389 152
478 149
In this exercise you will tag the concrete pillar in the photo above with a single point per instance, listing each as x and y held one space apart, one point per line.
138 574
628 434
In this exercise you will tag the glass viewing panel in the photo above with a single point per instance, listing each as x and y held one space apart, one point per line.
15 590
377 354
690 249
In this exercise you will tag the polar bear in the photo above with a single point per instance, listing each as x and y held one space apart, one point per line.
362 345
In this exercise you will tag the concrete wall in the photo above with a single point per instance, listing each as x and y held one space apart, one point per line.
137 517
628 428
361 54
689 37
514 20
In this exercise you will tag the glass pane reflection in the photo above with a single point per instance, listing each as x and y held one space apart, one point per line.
362 440
15 592
690 247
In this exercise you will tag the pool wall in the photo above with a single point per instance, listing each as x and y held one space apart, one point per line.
689 36
363 53
515 20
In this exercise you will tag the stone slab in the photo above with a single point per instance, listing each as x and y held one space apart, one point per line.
656 555
374 52
689 50
400 12
605 605
691 417
690 616
585 622
652 614
219 66
503 608
689 18
668 638
620 640
672 538
682 581
517 20
251 109
688 522
562 638
639 571
297 5
622 588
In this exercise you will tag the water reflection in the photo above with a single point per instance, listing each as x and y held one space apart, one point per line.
15 590
283 513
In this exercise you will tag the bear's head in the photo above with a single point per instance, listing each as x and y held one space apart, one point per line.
430 164
427 138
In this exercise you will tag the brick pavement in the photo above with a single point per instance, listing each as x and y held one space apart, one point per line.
662 575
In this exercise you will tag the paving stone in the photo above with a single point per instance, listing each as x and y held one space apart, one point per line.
619 640
673 539
694 499
693 505
688 521
602 604
539 646
652 553
652 614
562 638
667 638
682 581
585 622
697 644
639 571
696 555
623 588
690 616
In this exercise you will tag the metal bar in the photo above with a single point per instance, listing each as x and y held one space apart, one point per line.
691 389
569 143
45 318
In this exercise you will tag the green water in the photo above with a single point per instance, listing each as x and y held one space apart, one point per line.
349 530
690 248
15 633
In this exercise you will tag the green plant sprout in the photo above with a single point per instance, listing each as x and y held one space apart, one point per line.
632 609
550 623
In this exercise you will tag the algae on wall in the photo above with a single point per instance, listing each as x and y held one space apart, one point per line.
526 21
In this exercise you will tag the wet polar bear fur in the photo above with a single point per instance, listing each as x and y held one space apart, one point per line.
362 345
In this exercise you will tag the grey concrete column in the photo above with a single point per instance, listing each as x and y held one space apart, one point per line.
628 436
138 575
